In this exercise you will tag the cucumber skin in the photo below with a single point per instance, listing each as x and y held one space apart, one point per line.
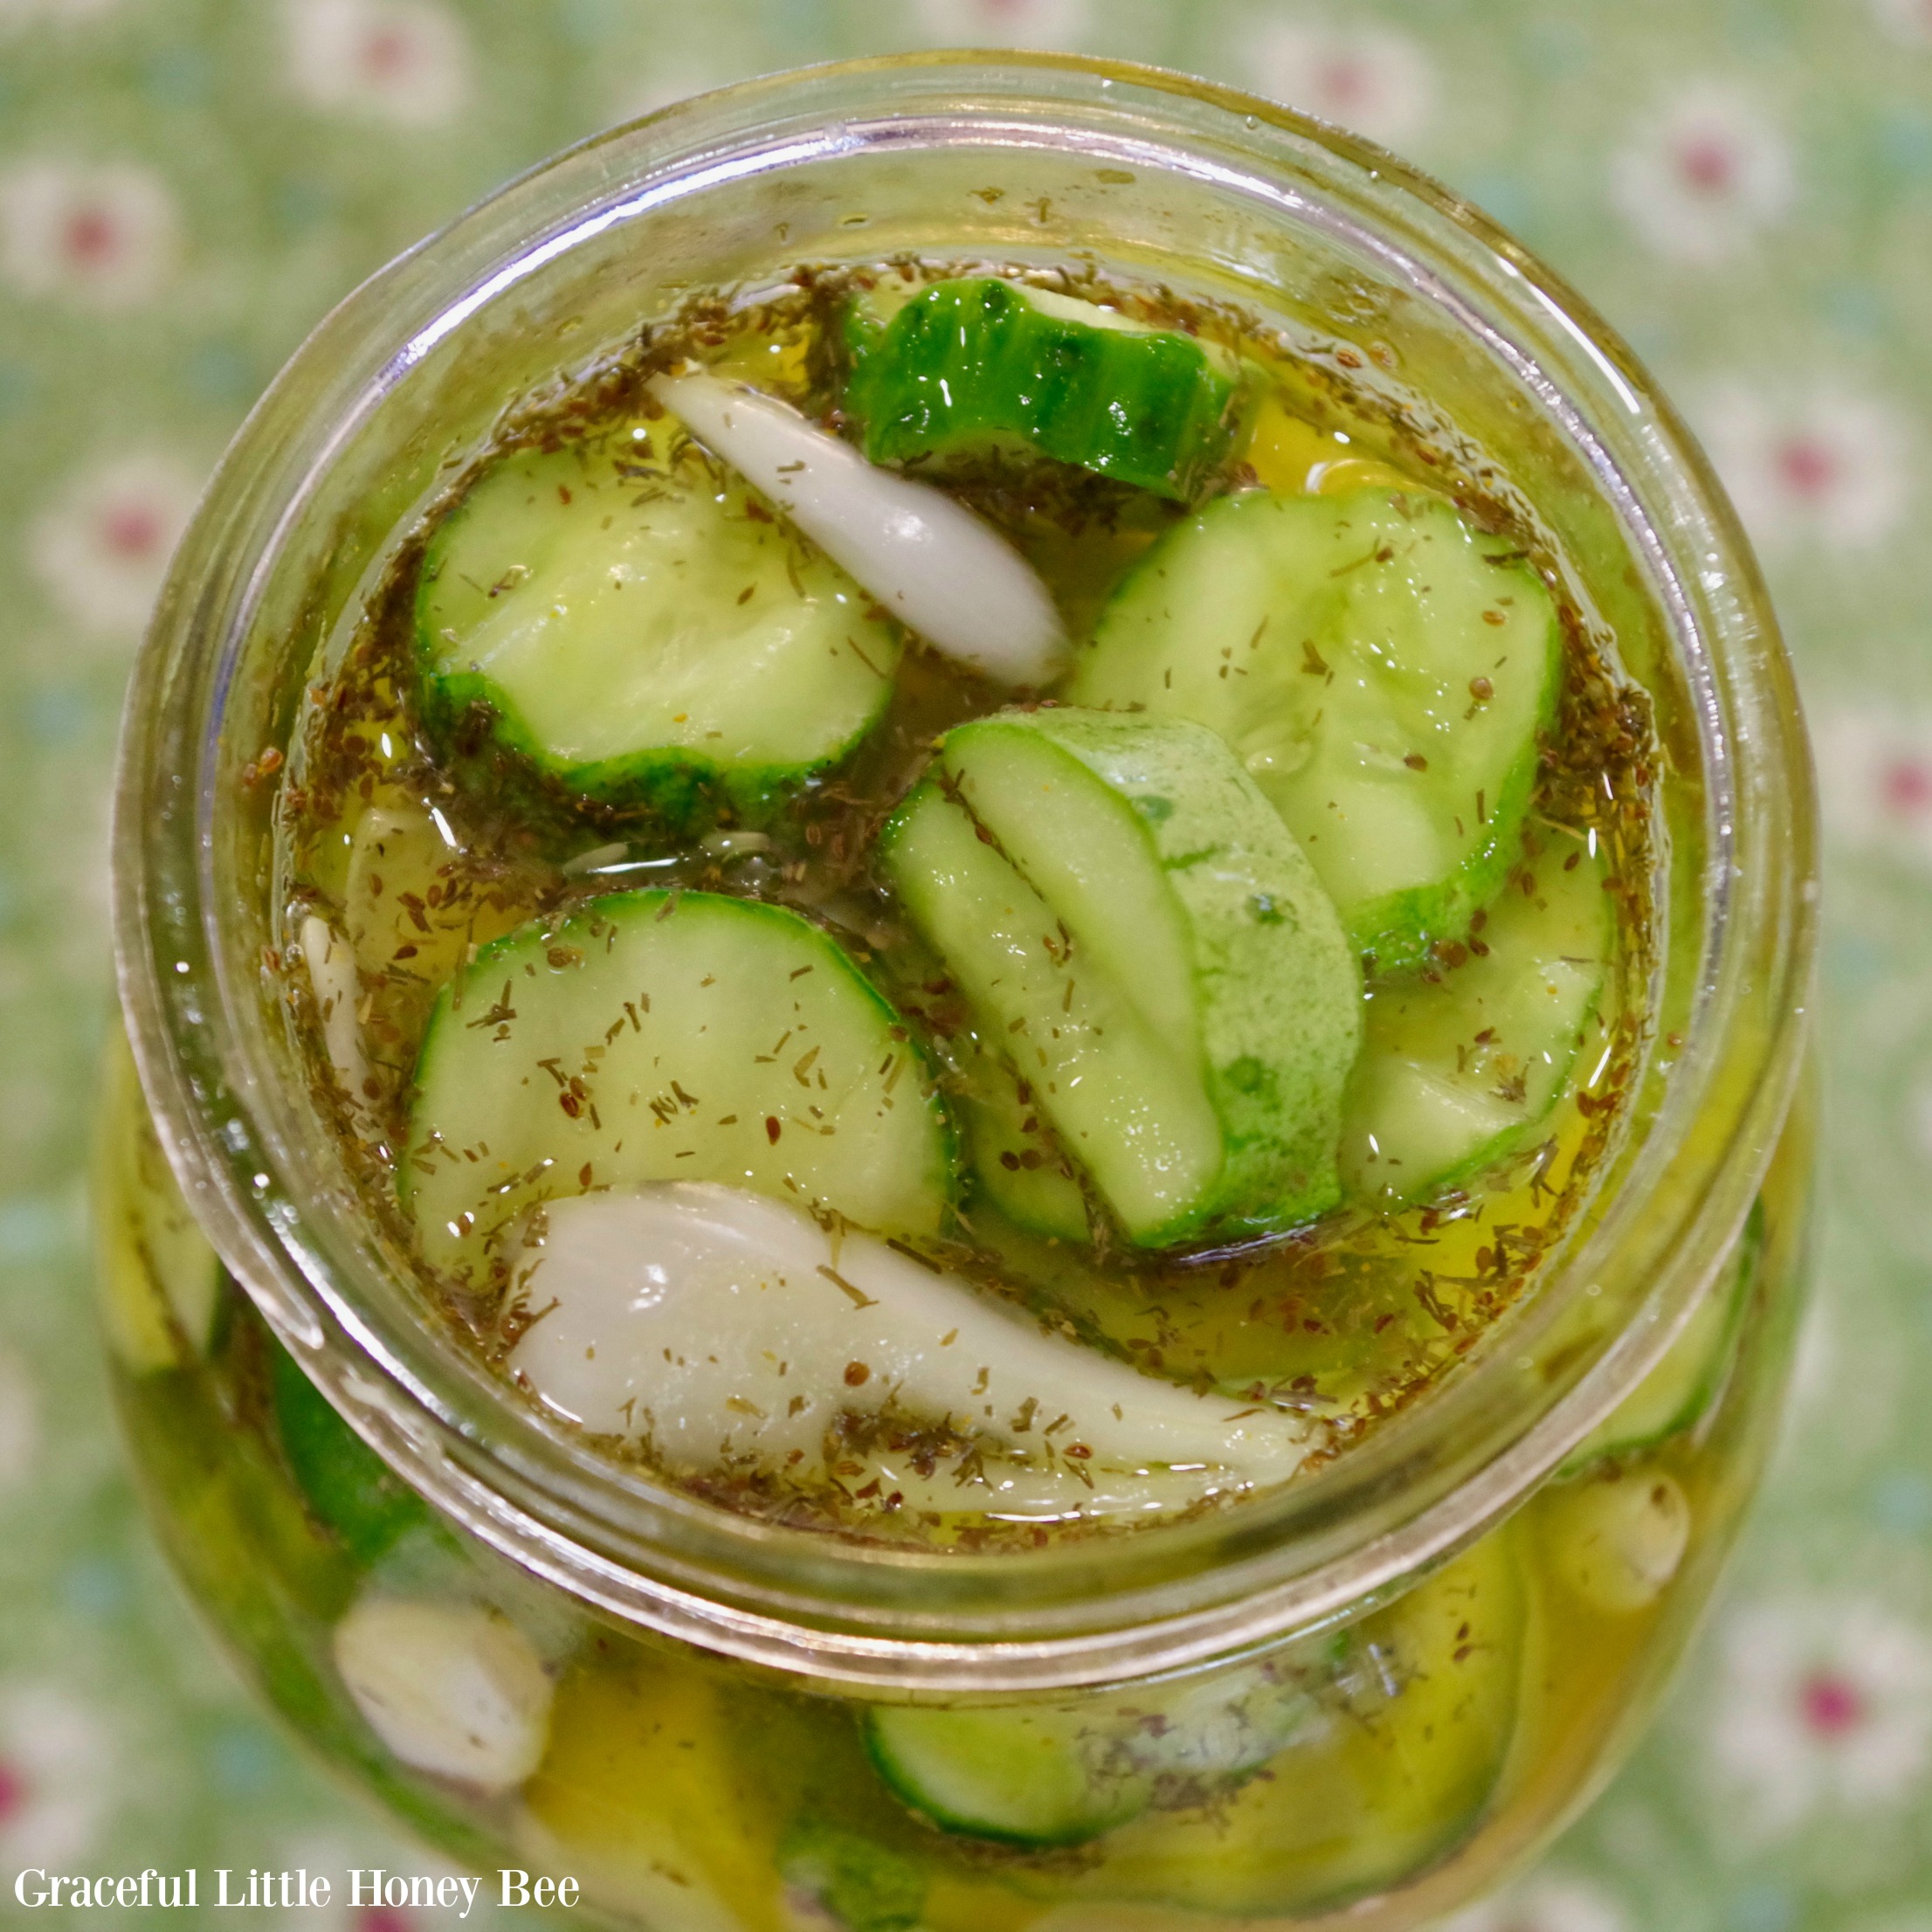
1239 1088
1147 409
682 789
909 1794
677 784
649 903
1241 1110
1396 930
865 1885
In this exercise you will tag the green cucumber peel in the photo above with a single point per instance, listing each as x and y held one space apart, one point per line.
1386 672
865 1886
981 362
644 631
1138 931
349 1488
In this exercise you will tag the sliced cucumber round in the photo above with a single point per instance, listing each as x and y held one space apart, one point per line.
1680 1390
1460 1068
973 364
1384 670
1388 1786
655 1036
1128 918
1062 1773
645 629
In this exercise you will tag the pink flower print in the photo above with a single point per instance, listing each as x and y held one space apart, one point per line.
1831 1705
100 549
1702 174
1874 769
103 236
1819 463
407 62
56 1757
1062 24
1825 1705
1372 79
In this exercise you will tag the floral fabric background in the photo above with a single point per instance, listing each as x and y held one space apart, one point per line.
1743 186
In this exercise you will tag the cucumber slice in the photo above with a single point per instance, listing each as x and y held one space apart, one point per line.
969 366
658 1035
645 629
1060 1774
349 1487
1018 1161
1460 1068
1382 668
1126 914
1387 1787
1680 1390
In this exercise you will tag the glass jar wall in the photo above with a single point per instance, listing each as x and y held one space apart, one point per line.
1387 1683
1423 1749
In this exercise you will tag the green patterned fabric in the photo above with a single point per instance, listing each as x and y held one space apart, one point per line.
1744 187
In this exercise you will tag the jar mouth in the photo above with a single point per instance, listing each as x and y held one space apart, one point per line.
242 619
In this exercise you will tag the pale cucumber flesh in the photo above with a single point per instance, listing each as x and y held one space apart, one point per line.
1018 1160
657 1036
1386 1788
1384 671
1125 1105
643 628
1133 928
1463 1065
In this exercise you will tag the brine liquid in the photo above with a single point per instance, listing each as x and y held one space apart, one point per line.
421 849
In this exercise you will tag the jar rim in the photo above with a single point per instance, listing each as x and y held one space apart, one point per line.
1422 1485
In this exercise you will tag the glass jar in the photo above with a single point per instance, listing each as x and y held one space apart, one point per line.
1443 1638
